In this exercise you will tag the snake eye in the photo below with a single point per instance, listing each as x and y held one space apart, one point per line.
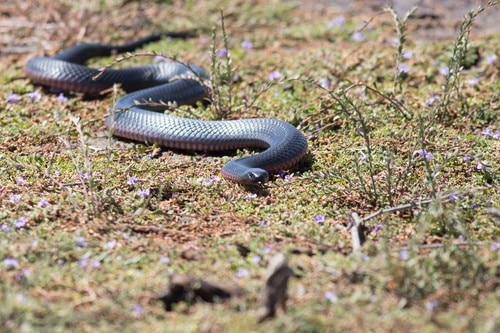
255 176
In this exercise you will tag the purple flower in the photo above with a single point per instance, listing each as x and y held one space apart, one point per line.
404 254
358 36
274 76
43 203
407 54
362 157
137 309
84 262
61 98
490 60
453 197
487 131
35 96
423 154
252 196
403 68
132 180
20 222
15 198
262 223
242 272
246 45
143 193
319 219
395 42
81 242
431 305
324 83
445 70
222 53
164 259
212 180
5 228
331 296
111 244
481 165
11 262
377 228
496 135
467 158
495 246
432 98
84 175
256 258
20 180
473 81
14 98
337 21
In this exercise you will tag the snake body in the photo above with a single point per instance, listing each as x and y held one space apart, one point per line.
136 115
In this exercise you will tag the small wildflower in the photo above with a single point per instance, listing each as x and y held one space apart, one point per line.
496 135
404 254
11 262
84 262
423 154
453 197
495 246
84 175
143 193
262 223
256 258
395 42
14 98
252 196
407 54
337 21
35 96
319 219
481 165
487 132
212 180
132 180
431 305
467 158
473 205
473 81
61 98
20 181
246 45
5 228
432 98
362 157
222 53
358 36
490 60
164 259
274 76
111 244
43 203
81 242
324 83
331 296
403 69
242 272
445 71
137 309
20 222
15 198
377 228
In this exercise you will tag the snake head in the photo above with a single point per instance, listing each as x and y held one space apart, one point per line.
255 176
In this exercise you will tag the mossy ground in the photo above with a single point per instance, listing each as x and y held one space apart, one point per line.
82 250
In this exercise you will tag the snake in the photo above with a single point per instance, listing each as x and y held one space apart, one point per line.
151 89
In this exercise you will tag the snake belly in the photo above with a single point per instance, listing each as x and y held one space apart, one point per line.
151 88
